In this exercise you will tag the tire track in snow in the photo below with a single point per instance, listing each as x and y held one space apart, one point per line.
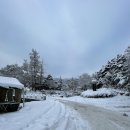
59 117
38 117
46 119
71 120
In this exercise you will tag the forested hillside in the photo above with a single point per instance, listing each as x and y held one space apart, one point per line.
116 72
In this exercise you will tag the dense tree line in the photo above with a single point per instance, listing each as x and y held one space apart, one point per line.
82 82
31 74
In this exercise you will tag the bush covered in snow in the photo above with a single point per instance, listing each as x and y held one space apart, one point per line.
100 93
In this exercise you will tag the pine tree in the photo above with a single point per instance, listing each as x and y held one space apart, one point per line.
127 53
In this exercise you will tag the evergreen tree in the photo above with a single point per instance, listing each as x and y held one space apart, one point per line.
127 52
128 62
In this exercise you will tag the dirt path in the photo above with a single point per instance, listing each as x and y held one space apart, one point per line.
99 118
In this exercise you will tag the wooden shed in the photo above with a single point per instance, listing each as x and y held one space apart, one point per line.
10 94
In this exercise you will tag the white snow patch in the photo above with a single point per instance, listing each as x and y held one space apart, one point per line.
108 74
103 92
10 82
122 82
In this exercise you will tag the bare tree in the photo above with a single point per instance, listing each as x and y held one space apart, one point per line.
34 67
41 73
26 74
73 84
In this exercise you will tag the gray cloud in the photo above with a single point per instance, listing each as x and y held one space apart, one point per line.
72 37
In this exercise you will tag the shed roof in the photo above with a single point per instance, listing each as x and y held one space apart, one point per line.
7 82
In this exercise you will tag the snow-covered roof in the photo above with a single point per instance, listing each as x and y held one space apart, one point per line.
7 82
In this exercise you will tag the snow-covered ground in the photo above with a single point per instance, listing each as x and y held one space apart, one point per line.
117 103
43 115
34 95
75 113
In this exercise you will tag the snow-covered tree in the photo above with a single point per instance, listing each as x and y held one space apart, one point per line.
128 62
127 53
85 81
41 78
73 84
30 73
51 83
12 71
60 83
26 74
34 67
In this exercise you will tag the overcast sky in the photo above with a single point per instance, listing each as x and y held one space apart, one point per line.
71 36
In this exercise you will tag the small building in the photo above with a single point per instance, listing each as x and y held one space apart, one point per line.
10 94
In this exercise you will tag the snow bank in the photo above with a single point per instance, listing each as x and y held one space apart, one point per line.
100 93
7 82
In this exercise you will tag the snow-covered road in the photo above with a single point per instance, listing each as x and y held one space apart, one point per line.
100 118
60 114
